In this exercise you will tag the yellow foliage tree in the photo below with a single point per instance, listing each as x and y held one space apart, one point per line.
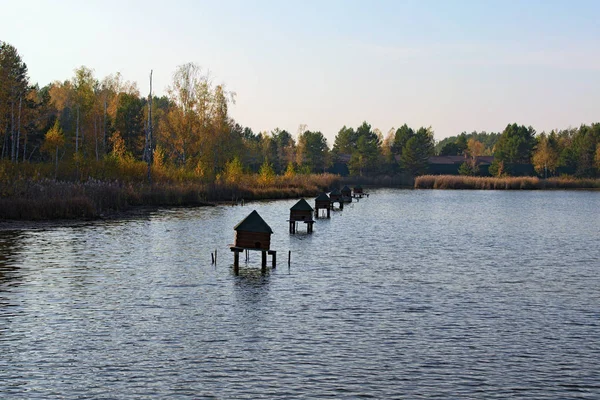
118 146
290 171
53 141
266 174
475 148
234 171
545 157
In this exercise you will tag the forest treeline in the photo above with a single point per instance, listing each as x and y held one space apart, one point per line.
86 127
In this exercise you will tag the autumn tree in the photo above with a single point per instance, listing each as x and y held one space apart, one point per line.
53 142
546 156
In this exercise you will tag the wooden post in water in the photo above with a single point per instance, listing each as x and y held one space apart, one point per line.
236 260
264 261
289 257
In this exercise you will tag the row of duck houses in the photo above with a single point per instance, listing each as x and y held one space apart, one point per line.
253 233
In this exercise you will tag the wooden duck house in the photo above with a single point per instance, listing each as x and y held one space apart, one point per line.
346 193
359 192
252 233
336 197
301 212
322 202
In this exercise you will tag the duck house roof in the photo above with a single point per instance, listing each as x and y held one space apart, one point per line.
345 188
323 197
253 223
301 205
335 191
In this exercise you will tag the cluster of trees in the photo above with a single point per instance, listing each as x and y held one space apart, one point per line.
457 145
85 119
574 151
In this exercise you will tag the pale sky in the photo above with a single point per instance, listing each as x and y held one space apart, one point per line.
453 65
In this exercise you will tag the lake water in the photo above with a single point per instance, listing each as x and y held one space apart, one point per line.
412 294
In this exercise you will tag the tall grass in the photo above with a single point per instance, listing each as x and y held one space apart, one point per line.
502 183
27 193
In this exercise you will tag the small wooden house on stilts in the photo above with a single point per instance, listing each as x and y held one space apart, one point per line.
335 196
253 233
322 202
346 194
359 192
301 212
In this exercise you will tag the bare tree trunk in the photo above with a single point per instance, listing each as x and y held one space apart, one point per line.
25 147
148 149
12 131
5 141
31 154
104 127
56 163
96 136
18 130
77 133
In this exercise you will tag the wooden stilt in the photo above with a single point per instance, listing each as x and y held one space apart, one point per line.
289 257
236 262
264 260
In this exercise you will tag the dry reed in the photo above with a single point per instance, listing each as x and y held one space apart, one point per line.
502 183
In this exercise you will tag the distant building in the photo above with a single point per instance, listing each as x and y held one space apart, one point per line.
449 165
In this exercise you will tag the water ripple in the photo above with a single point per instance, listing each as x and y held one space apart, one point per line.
407 294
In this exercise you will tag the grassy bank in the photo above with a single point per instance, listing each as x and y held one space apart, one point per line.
502 183
46 199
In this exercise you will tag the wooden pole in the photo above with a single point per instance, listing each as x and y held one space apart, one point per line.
264 261
289 257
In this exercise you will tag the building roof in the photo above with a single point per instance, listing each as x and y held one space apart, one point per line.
335 192
449 160
301 205
323 197
357 187
344 158
253 223
346 189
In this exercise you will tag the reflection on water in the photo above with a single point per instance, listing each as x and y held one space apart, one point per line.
405 294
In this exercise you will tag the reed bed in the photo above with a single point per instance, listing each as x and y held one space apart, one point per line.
46 199
503 183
